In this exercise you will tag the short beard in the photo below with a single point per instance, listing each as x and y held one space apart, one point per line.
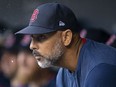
52 57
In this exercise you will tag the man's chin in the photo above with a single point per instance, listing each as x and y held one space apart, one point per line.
43 65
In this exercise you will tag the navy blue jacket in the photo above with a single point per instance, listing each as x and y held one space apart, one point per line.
96 68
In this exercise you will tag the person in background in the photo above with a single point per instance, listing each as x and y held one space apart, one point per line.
96 34
99 35
34 75
19 66
54 30
4 82
9 63
112 40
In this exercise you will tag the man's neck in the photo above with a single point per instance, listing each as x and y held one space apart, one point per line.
73 56
70 59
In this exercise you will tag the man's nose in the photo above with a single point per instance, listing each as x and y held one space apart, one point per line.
33 45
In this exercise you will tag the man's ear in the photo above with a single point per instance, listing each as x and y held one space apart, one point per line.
67 37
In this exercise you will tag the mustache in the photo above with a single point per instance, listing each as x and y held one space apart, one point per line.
36 53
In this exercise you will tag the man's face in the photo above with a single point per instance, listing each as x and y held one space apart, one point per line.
47 48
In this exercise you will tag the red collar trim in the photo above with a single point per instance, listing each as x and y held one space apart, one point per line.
84 40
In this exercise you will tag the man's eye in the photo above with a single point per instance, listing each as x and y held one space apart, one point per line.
41 38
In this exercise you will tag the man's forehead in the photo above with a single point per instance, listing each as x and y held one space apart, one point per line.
35 35
48 34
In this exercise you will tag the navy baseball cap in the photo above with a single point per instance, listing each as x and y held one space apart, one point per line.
51 17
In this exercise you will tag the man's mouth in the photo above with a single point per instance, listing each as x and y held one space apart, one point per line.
38 58
37 55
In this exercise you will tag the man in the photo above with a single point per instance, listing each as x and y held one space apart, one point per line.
55 41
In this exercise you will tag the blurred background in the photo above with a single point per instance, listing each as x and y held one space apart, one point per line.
98 18
97 13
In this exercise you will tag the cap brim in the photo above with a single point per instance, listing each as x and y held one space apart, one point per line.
34 30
